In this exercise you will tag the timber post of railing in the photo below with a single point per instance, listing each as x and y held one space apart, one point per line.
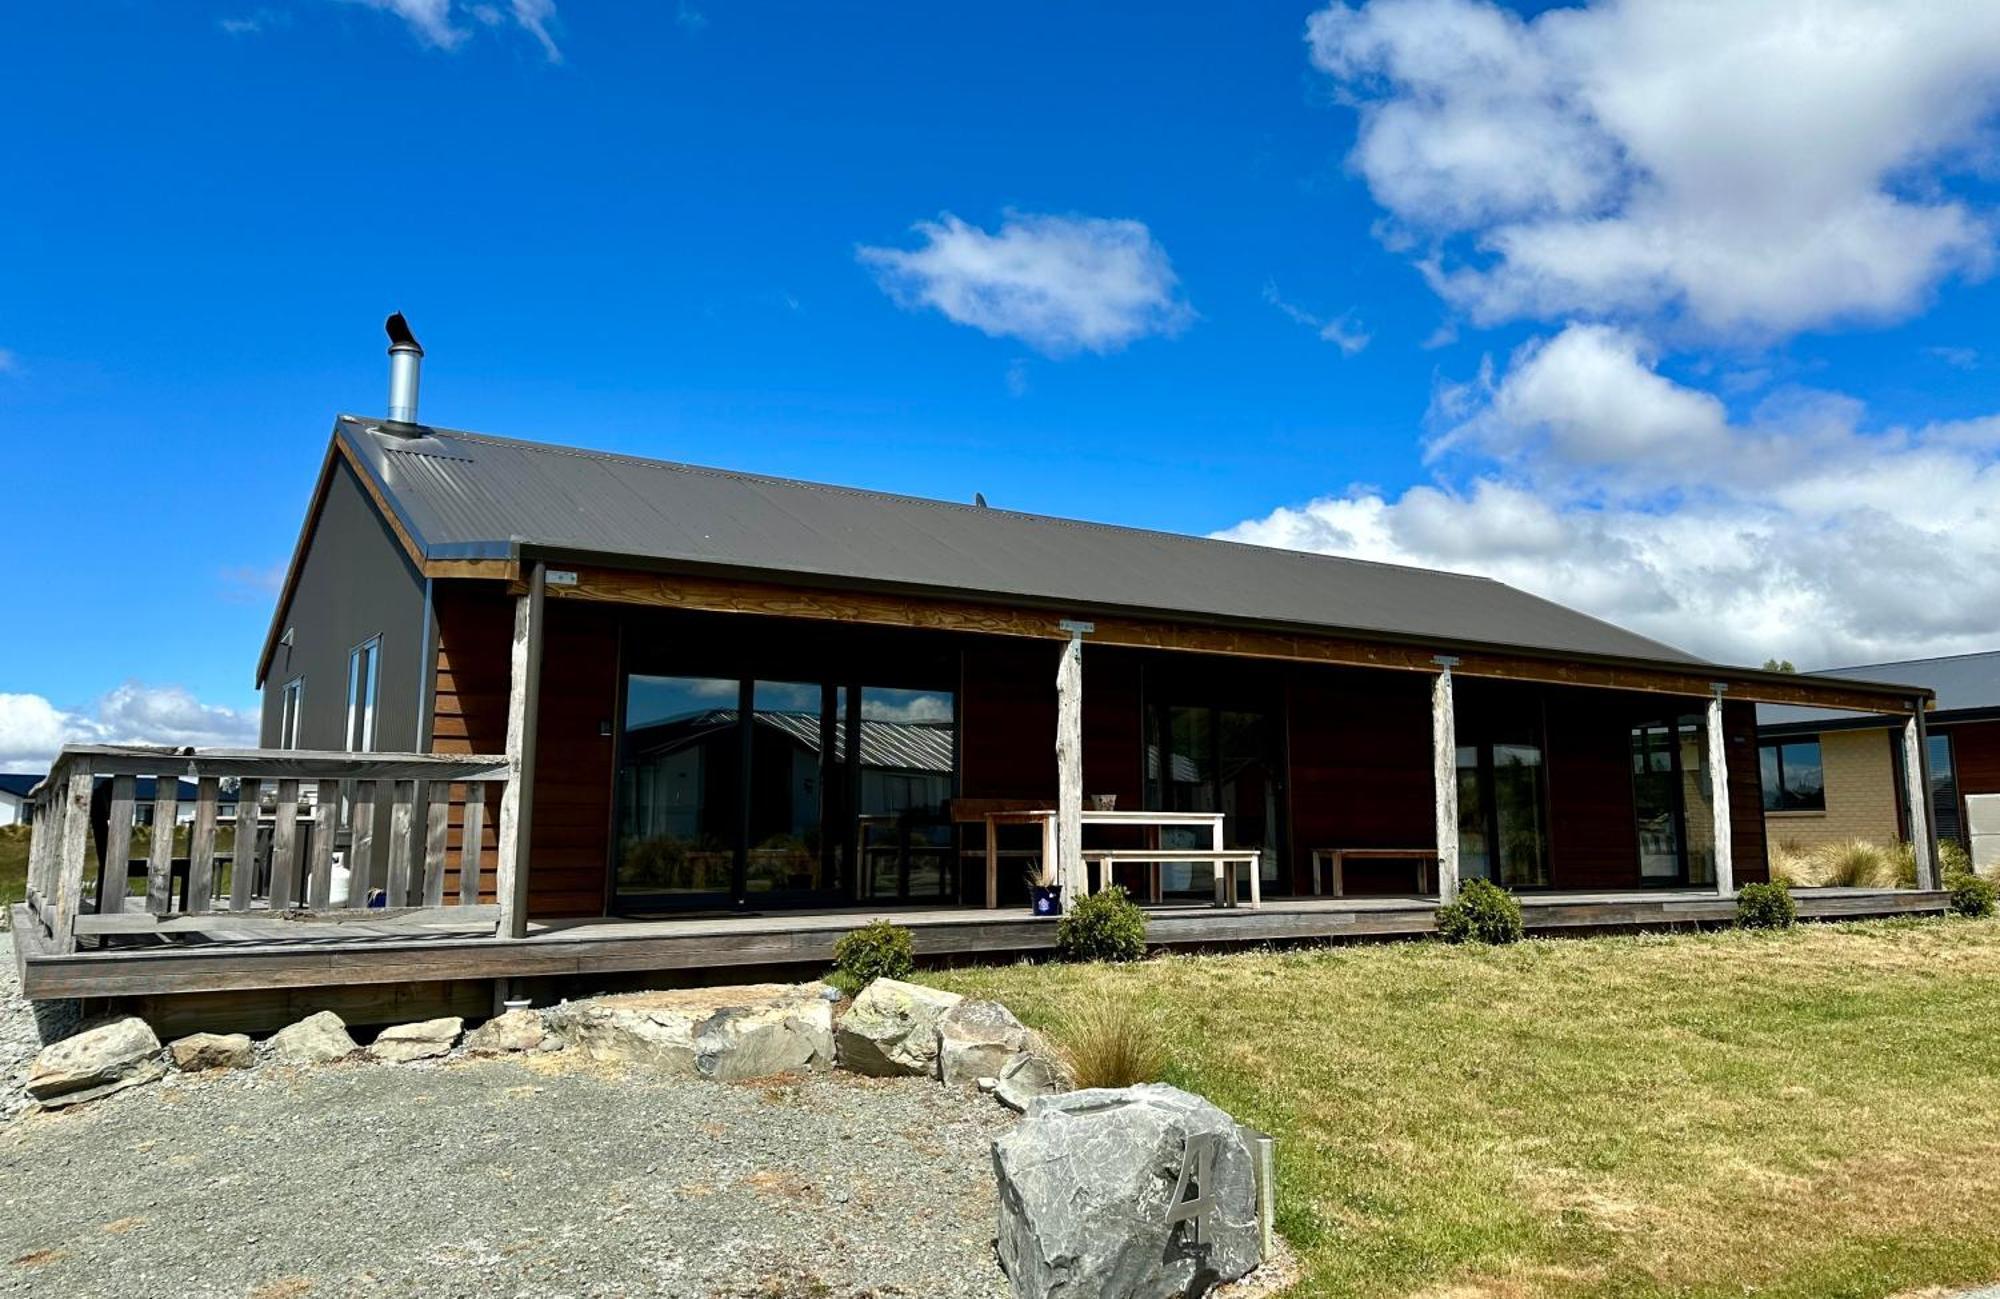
323 825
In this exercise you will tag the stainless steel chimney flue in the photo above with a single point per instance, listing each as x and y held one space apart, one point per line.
406 367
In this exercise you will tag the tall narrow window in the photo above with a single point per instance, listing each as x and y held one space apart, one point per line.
363 664
288 713
1502 799
1944 789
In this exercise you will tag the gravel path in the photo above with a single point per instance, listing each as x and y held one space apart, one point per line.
542 1176
24 1030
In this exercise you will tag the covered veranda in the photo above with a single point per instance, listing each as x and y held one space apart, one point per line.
919 759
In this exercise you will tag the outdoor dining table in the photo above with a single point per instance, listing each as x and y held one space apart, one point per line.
1151 822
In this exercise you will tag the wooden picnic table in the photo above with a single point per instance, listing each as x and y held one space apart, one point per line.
1151 822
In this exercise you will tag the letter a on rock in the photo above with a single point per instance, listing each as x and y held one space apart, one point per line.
1198 1159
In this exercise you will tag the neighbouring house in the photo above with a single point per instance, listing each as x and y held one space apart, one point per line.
562 713
15 803
1834 776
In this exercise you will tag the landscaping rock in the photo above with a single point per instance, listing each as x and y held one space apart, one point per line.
516 1030
720 1033
1087 1179
1027 1076
978 1039
105 1057
892 1029
420 1041
198 1051
315 1039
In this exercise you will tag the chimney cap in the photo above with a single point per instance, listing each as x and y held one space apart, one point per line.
400 337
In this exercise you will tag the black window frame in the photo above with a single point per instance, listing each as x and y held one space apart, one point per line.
1779 746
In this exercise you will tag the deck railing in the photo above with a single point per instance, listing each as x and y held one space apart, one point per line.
387 826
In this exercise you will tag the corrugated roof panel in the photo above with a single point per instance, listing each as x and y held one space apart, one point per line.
1962 682
479 495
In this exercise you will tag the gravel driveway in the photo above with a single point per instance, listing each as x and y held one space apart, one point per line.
537 1176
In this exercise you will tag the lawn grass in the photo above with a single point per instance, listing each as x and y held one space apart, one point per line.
1813 1113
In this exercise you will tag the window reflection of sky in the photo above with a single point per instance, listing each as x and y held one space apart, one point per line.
663 699
652 700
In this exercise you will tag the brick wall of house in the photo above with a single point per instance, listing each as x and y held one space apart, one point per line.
1860 795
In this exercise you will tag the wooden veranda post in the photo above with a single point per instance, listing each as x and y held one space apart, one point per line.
1444 775
1916 785
71 849
1071 872
1718 796
517 803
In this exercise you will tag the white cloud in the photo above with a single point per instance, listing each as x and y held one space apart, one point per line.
1343 331
441 23
1745 169
534 17
32 729
1594 480
10 361
1061 284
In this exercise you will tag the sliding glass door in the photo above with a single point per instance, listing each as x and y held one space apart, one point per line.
1672 801
736 791
678 780
1203 759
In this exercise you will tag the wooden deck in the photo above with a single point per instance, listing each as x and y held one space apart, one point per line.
352 954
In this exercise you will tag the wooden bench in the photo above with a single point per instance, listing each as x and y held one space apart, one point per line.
1338 856
1226 862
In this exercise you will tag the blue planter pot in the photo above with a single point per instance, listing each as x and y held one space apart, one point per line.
1045 899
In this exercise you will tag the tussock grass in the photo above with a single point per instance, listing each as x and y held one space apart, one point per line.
1813 1113
1108 1040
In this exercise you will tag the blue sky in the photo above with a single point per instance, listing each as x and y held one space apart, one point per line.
1442 283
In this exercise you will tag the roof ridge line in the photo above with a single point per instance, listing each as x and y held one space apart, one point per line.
807 484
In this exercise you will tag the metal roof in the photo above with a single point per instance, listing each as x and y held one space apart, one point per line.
470 496
1963 682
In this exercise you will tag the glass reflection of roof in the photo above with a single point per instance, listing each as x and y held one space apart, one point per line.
907 746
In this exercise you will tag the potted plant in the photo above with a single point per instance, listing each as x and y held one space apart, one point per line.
1044 894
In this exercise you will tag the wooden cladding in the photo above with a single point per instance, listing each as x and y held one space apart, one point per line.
729 595
570 835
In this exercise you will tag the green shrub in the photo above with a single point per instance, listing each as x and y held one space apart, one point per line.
1952 859
1765 906
1971 895
1483 912
1105 926
877 951
1108 1042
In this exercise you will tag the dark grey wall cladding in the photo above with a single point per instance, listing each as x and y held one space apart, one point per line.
354 583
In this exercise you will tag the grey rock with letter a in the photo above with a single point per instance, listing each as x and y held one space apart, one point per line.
1087 1180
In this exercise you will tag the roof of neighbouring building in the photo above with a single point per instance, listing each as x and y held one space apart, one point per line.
471 496
20 782
905 746
1964 683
